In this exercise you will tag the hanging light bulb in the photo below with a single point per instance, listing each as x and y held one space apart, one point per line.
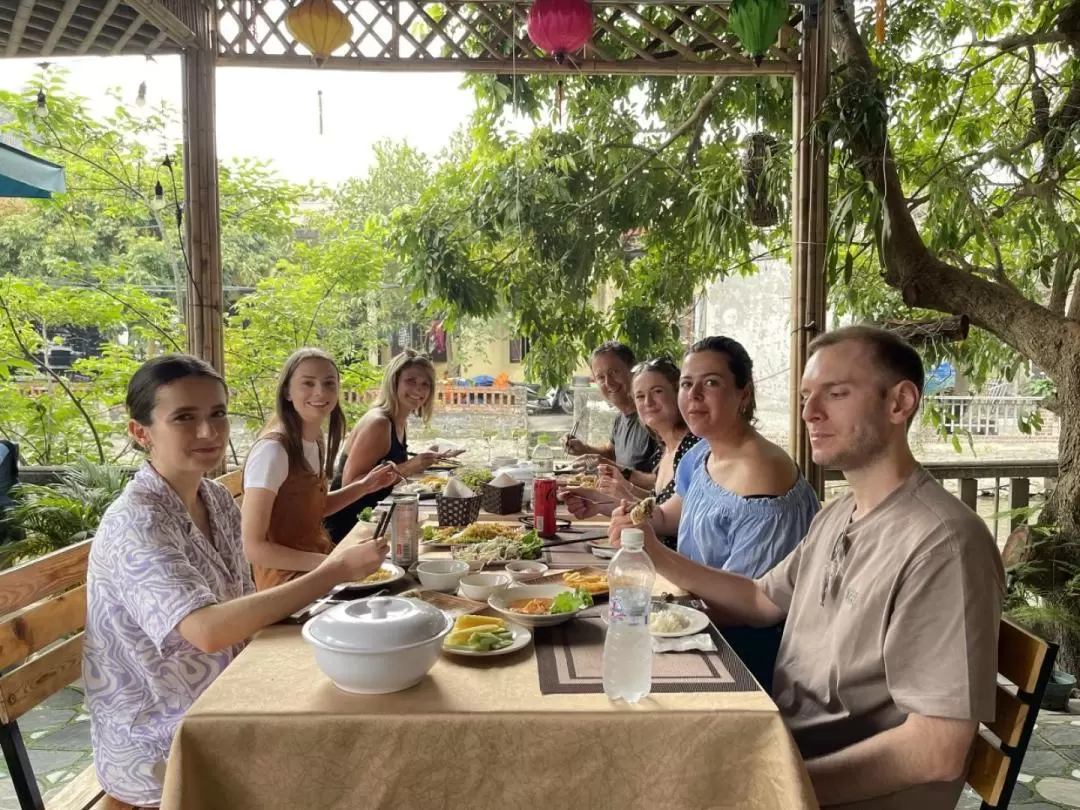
158 202
140 98
42 109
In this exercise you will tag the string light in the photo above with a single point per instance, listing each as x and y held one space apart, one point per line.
158 203
42 109
140 98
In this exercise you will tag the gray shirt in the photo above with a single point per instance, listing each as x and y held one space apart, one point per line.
634 445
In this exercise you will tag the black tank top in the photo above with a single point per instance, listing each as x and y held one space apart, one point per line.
341 522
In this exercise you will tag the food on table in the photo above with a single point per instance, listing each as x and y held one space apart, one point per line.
591 582
479 532
474 477
642 511
532 607
378 576
565 602
523 547
479 634
434 534
582 481
667 621
428 485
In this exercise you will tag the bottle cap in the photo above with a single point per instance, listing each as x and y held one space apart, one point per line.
632 538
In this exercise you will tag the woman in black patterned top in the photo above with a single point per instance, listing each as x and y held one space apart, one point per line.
656 397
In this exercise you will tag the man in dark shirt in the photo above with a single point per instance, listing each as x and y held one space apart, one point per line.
632 447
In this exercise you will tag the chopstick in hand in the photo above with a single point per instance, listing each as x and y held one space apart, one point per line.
384 522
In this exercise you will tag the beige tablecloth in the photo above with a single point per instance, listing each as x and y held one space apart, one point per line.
274 732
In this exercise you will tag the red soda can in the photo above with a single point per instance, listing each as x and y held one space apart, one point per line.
544 506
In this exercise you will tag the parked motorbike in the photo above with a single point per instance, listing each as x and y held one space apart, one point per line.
552 399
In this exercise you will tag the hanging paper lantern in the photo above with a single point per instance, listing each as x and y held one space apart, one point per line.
756 23
320 27
560 27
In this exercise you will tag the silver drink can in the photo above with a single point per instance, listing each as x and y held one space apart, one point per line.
405 530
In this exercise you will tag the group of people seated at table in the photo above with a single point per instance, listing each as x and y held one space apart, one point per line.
878 613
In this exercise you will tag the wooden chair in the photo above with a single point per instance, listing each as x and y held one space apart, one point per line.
234 482
1026 661
42 615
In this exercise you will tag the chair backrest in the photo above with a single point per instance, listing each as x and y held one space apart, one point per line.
1027 662
234 482
42 615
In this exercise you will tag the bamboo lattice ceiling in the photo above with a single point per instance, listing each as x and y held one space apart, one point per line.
418 35
421 35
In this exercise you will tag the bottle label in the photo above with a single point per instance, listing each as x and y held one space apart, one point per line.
628 608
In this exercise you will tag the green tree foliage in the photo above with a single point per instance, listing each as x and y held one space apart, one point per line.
639 196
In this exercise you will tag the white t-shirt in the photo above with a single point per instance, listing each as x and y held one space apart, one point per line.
267 464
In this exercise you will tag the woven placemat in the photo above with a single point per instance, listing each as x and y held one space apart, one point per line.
571 557
569 661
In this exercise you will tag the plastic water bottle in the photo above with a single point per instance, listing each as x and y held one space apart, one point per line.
543 457
628 646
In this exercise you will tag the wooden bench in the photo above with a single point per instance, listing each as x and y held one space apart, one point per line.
42 615
1026 661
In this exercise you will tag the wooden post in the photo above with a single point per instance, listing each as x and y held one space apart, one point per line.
204 294
809 221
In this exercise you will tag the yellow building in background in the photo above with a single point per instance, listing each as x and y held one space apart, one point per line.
496 353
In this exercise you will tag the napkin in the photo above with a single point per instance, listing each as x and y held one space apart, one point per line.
456 489
702 642
504 480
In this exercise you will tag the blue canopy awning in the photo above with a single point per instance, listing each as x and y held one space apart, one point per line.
23 175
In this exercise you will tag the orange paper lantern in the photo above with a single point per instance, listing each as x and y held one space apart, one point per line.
320 27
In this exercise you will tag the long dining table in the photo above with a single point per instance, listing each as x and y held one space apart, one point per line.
526 730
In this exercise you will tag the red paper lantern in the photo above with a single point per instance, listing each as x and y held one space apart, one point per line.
560 26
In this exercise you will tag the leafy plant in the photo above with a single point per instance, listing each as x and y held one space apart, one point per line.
57 515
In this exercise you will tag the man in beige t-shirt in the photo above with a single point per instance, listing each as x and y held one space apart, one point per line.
892 602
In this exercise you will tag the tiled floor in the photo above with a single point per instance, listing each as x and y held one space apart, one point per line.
57 736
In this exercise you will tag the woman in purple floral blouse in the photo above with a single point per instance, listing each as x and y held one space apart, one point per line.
170 600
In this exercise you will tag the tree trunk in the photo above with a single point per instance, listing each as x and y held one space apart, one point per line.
1048 338
1061 516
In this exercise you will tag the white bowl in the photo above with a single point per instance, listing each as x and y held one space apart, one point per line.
500 602
525 570
481 586
441 575
378 645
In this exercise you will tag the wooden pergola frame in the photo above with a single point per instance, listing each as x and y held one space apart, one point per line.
646 37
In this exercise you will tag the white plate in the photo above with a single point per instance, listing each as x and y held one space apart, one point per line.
396 573
698 621
522 637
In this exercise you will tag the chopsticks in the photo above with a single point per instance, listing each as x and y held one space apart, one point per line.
384 522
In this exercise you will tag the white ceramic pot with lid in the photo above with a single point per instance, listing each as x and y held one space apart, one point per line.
377 645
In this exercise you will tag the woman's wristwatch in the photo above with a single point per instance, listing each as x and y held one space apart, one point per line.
627 472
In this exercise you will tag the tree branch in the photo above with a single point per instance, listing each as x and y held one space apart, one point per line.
921 277
1074 302
701 111
1019 41
56 377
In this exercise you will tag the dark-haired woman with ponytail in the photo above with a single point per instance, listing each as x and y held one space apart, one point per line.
169 596
288 468
741 504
